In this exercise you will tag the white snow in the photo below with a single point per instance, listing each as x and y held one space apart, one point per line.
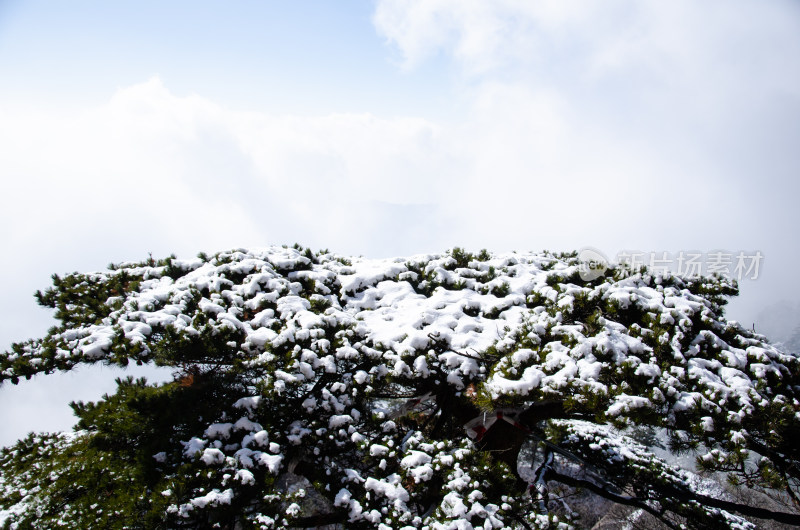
509 329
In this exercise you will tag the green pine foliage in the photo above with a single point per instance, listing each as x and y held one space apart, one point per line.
446 391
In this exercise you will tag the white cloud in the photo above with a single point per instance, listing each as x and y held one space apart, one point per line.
670 41
152 168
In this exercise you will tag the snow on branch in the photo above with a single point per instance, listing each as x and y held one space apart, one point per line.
400 392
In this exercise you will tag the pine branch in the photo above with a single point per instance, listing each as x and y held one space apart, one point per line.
603 492
792 519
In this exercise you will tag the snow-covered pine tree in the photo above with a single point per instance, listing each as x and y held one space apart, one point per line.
437 391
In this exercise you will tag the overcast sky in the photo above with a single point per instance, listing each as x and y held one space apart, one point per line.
389 127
